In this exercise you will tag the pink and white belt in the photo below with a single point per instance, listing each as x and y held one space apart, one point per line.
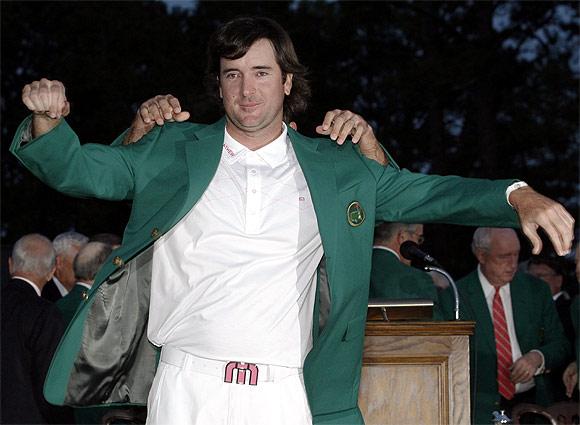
233 371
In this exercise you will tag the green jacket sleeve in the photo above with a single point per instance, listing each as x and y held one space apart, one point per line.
408 197
90 170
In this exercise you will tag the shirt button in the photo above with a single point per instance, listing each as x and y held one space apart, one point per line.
253 190
253 172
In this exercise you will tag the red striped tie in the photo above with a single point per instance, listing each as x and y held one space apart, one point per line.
503 348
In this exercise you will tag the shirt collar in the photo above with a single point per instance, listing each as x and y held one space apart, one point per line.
562 294
273 154
384 248
31 283
86 285
61 288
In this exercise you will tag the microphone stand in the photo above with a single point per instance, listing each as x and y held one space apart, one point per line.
451 282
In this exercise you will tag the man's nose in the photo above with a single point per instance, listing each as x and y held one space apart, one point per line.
248 87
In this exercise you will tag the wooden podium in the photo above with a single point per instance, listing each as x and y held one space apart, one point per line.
416 372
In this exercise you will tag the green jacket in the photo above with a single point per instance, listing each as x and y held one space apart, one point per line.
392 279
70 302
537 327
105 357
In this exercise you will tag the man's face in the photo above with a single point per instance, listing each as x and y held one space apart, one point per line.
500 262
416 235
253 91
64 266
547 274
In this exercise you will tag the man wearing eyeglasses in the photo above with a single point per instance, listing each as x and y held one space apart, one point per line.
392 276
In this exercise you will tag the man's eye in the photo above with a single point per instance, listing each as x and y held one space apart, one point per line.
262 73
231 76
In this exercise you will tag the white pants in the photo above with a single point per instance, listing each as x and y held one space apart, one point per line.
189 390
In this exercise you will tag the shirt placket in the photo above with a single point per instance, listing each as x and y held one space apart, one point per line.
253 194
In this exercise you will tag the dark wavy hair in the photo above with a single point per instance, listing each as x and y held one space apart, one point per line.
234 39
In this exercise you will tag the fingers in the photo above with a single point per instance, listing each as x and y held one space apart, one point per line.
340 124
162 108
536 210
531 232
66 109
46 97
521 373
182 116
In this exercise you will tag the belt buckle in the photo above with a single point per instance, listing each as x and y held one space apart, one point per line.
242 368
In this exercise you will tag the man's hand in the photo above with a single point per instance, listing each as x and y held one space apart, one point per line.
340 124
570 378
47 101
535 210
155 111
524 368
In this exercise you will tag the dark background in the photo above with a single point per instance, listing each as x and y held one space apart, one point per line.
480 88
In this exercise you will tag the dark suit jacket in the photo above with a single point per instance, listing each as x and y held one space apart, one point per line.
31 329
537 327
390 278
563 304
50 292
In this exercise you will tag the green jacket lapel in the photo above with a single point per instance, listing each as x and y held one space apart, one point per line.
518 291
316 158
484 324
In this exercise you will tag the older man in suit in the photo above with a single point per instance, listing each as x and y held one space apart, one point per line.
31 330
518 335
86 264
253 239
66 245
392 276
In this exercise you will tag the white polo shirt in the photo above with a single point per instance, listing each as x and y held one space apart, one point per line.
235 279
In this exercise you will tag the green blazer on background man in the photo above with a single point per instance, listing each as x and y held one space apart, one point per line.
393 279
164 175
70 302
537 327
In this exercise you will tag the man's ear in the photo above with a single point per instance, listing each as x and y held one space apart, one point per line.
10 266
481 255
51 274
288 84
401 237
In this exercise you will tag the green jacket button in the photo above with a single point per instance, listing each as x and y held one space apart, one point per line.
118 261
155 233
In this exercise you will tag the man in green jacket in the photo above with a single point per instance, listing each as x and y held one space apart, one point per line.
392 276
518 337
85 265
247 253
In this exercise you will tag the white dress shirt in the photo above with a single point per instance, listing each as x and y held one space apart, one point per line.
235 279
506 299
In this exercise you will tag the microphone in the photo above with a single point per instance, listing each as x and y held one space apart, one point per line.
411 251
